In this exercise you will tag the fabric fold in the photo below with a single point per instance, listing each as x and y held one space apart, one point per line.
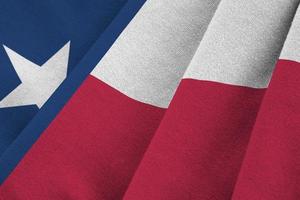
271 166
100 135
184 105
197 151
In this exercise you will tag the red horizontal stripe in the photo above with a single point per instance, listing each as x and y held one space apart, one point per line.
198 149
272 164
90 151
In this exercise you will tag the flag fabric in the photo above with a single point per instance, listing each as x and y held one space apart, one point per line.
41 42
199 146
166 99
271 165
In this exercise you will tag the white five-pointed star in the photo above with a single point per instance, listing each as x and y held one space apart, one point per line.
38 82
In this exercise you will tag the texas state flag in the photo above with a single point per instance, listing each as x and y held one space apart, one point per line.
41 43
150 100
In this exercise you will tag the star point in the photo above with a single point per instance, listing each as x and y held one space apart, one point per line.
37 82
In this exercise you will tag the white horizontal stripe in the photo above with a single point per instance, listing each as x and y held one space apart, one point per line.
149 58
243 42
291 47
